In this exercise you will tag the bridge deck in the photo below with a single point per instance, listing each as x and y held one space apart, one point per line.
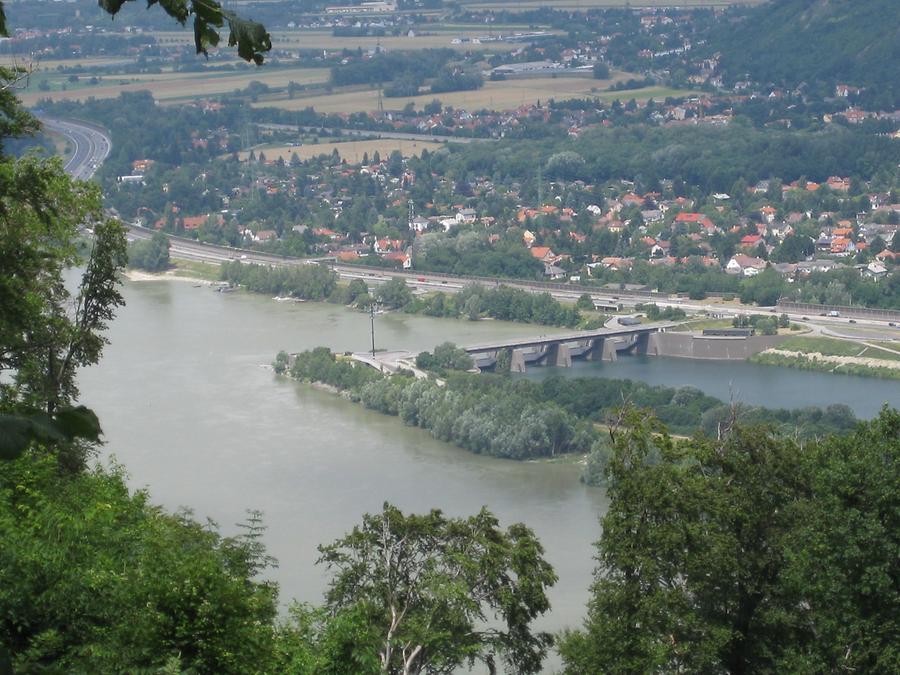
546 340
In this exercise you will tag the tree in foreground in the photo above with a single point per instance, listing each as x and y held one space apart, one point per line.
47 331
429 594
746 554
95 579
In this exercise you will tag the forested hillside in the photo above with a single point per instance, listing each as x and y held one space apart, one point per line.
818 42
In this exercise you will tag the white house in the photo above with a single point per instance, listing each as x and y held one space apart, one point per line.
746 265
419 224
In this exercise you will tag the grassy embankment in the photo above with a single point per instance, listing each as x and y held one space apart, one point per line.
195 269
831 355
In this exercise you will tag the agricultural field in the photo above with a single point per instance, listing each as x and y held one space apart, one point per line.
514 5
436 37
166 86
40 64
352 151
495 95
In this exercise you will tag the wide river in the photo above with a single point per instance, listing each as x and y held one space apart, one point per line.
190 409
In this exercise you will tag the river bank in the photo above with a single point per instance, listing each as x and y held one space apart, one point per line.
826 363
835 355
493 304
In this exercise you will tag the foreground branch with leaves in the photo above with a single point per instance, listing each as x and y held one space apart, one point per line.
208 17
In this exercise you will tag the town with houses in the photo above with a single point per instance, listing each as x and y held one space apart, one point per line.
655 229
386 210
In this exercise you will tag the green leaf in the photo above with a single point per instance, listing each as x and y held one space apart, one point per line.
177 9
204 35
78 422
19 431
15 436
250 37
111 6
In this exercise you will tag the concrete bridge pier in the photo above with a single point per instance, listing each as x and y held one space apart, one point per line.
602 349
516 361
559 355
647 344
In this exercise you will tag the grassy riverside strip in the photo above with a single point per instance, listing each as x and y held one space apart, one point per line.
827 363
514 418
830 355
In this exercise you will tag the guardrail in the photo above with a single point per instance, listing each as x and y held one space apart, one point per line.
842 310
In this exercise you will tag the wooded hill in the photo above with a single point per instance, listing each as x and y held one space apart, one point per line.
818 42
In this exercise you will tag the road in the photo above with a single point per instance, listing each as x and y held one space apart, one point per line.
90 143
424 281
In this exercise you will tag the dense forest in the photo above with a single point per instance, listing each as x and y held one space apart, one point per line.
712 159
745 553
817 44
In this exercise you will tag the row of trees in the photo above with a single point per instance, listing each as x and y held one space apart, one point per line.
502 302
308 282
473 302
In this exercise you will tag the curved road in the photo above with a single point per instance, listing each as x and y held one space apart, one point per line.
91 145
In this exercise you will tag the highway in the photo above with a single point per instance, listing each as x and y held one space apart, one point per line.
90 144
427 281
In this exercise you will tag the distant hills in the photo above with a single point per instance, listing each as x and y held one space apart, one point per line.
818 42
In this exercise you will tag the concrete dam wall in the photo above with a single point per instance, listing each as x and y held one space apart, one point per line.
689 346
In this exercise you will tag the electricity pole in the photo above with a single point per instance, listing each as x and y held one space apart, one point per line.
372 319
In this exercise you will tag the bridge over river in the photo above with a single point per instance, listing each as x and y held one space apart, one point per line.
559 350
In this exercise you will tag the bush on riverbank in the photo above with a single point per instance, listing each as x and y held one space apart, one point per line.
309 282
503 420
321 365
151 254
503 303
